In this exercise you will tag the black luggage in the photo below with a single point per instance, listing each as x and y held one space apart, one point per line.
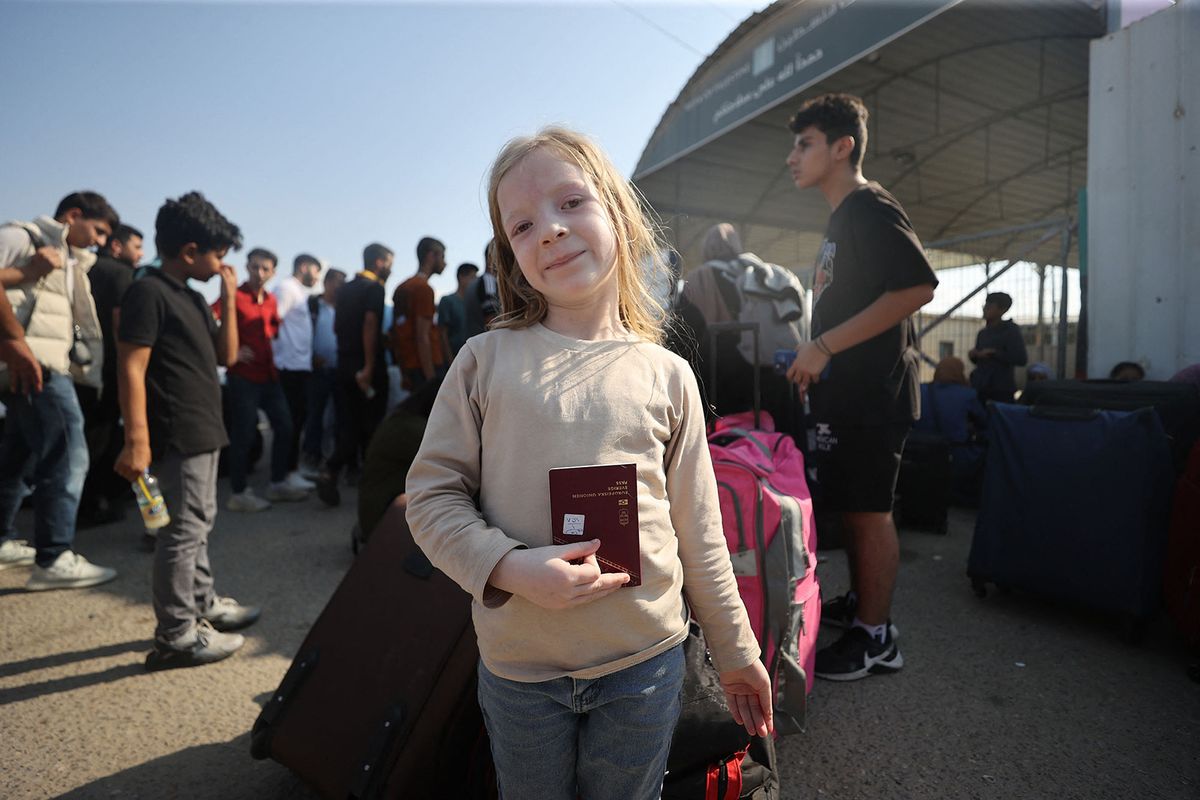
712 757
381 700
924 485
1177 404
1075 507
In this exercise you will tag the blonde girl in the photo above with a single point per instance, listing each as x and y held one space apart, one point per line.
579 674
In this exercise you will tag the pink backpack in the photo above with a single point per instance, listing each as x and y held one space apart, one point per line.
767 514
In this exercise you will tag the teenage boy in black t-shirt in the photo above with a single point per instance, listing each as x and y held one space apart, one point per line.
362 380
859 370
168 348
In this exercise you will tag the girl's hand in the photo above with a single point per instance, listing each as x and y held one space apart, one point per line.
748 692
545 575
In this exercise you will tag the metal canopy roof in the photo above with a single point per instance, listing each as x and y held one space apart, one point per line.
978 122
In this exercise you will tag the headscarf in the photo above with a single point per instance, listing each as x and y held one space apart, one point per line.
950 370
721 243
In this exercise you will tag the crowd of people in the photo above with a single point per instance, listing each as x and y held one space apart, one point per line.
113 372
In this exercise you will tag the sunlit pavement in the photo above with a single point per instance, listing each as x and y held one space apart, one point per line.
1005 697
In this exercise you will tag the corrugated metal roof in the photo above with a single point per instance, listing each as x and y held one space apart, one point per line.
978 122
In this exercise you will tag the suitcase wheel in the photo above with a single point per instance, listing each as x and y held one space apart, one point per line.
1194 672
979 586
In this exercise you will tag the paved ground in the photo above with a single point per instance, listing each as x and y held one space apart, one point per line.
1000 698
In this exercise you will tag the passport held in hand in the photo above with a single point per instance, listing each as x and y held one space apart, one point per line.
599 502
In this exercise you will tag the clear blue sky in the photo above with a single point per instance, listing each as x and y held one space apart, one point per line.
322 127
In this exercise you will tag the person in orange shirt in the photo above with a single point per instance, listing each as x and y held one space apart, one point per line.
417 343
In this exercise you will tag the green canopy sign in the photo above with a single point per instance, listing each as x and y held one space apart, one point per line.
778 59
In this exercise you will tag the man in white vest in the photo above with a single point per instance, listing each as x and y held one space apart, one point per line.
43 269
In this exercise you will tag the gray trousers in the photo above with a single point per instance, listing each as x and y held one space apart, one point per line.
183 583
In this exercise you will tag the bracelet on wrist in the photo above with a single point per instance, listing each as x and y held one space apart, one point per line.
824 348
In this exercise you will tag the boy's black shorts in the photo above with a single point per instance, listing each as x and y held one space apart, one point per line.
856 467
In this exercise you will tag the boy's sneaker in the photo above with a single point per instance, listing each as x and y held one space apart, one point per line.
69 571
227 614
283 492
839 613
327 489
16 553
298 481
856 655
248 502
205 645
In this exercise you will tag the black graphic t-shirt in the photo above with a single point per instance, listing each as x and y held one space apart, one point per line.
870 248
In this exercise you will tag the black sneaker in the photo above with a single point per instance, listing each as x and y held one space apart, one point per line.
856 655
207 646
839 613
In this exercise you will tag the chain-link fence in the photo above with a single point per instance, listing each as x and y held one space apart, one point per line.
1046 298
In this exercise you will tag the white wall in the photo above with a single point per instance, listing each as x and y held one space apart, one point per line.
1144 194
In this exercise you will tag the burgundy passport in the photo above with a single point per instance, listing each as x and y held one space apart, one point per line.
599 502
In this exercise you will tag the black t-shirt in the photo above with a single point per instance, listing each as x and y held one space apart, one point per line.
109 279
869 249
183 395
354 300
994 377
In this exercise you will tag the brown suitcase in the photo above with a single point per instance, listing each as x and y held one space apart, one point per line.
380 701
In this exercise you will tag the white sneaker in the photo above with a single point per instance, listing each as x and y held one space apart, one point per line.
16 553
298 481
310 467
69 571
284 492
248 502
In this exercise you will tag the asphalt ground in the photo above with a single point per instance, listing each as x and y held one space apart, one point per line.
1005 697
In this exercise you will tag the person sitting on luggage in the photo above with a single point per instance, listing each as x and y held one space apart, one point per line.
1127 372
951 408
999 347
391 453
578 666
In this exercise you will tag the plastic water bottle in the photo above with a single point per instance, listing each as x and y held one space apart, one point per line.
150 501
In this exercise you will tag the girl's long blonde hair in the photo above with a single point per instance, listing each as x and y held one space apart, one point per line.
640 249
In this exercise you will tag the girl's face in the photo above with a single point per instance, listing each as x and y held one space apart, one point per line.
559 230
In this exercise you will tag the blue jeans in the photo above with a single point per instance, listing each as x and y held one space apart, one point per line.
601 739
322 390
43 447
245 399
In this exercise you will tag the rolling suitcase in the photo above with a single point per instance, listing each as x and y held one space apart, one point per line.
1177 404
924 485
767 516
380 701
1074 508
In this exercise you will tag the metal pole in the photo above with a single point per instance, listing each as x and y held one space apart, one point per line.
1061 370
1041 317
1008 265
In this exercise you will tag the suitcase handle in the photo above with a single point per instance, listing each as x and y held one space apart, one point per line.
1064 413
715 330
